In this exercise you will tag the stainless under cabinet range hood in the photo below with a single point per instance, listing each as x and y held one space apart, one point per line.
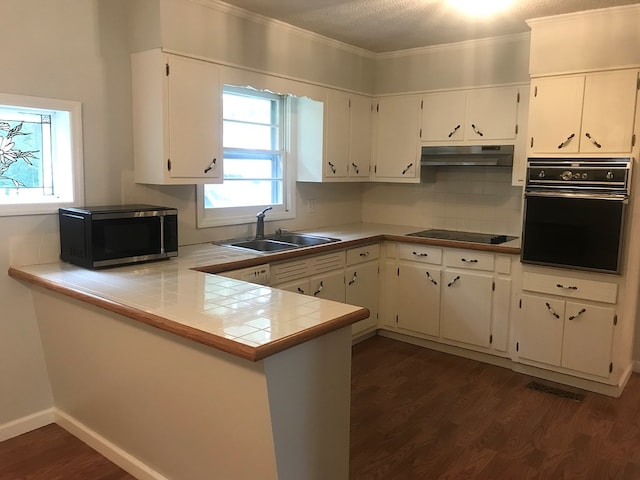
478 155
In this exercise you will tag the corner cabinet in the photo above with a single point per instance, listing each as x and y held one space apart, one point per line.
591 113
177 119
396 133
478 116
452 296
567 324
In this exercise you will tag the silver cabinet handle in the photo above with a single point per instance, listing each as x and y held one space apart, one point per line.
453 281
300 291
431 278
211 165
365 254
566 287
407 168
332 166
420 254
552 310
473 260
573 317
320 287
355 167
353 280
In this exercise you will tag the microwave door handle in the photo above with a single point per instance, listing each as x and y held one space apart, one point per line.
162 234
594 196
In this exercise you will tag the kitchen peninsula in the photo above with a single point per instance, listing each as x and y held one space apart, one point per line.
174 373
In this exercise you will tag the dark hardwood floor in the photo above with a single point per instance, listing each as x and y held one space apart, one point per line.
421 414
51 453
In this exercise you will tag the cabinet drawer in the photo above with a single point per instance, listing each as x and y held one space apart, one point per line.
469 259
420 253
570 287
363 254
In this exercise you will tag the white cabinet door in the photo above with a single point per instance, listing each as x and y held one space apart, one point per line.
443 116
418 301
608 112
466 307
360 141
361 288
329 286
588 338
396 147
541 328
555 112
500 314
388 293
195 118
337 134
491 114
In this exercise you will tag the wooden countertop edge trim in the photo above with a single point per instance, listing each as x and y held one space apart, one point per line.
277 346
220 343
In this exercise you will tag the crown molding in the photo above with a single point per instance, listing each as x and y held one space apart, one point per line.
573 16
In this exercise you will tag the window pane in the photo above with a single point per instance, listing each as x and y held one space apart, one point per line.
247 109
243 193
25 153
251 136
235 168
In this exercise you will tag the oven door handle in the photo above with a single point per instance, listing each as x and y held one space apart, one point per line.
620 197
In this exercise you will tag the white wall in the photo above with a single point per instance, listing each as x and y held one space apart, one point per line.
477 199
75 50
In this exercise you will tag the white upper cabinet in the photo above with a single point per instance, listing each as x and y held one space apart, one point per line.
345 119
478 116
396 152
177 119
591 113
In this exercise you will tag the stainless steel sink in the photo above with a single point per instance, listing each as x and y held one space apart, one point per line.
276 243
302 240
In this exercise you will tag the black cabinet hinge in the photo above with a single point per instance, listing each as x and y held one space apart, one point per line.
398 272
377 107
168 164
166 69
493 287
611 367
633 140
421 104
490 339
518 98
375 169
420 133
535 91
396 318
615 319
638 83
349 103
517 346
516 128
520 306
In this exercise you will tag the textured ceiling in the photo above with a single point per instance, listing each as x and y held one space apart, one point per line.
389 25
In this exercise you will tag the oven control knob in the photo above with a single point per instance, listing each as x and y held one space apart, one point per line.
609 175
576 176
541 174
584 176
566 175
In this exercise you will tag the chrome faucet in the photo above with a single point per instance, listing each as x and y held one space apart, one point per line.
260 223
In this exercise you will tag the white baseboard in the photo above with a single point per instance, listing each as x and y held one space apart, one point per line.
26 424
109 450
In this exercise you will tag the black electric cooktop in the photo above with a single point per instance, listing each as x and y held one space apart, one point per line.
472 237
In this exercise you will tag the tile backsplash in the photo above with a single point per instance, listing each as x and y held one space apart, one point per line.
479 199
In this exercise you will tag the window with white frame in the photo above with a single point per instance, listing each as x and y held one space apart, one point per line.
256 172
40 154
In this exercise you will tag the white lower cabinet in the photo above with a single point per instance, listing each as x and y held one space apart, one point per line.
454 296
418 305
328 286
466 307
361 288
574 335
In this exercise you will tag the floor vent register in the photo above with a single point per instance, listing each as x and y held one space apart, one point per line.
559 392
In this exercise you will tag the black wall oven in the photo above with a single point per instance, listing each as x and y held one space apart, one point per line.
574 212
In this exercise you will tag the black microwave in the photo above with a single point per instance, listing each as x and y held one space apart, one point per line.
105 236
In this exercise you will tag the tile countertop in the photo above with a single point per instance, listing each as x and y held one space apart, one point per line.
244 319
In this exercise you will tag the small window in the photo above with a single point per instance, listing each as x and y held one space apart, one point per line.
40 155
256 174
